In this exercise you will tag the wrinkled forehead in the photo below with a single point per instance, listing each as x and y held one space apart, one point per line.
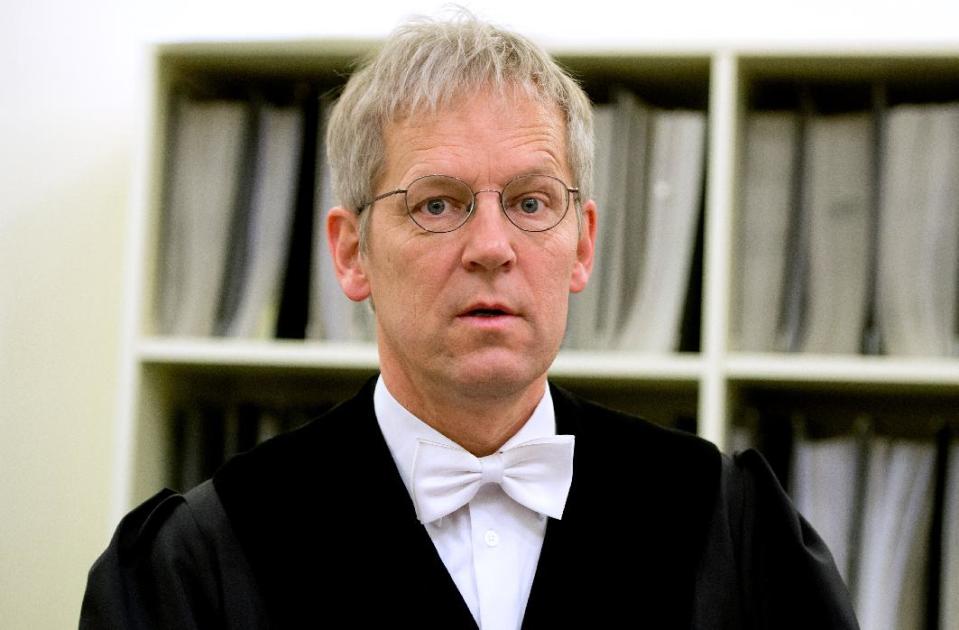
446 96
514 113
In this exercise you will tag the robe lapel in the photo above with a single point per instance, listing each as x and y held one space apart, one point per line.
330 529
635 520
552 596
405 558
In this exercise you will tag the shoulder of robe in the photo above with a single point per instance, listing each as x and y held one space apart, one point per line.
759 510
754 497
170 518
131 583
138 529
788 578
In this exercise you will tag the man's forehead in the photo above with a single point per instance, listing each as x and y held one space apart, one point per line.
506 105
456 97
513 120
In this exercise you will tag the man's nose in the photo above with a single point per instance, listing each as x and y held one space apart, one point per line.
489 234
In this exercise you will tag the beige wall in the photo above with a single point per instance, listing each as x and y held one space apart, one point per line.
66 115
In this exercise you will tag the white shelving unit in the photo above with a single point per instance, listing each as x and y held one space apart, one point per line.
158 371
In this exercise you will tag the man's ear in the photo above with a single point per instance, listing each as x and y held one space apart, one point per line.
343 236
585 247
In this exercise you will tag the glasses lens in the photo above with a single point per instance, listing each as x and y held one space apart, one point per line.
535 202
438 203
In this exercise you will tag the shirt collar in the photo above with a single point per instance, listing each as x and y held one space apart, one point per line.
401 429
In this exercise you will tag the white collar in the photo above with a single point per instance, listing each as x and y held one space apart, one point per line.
401 429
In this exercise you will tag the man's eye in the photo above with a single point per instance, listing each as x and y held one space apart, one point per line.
435 207
530 205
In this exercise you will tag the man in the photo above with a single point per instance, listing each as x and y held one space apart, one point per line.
459 489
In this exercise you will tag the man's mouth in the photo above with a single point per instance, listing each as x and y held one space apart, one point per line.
486 312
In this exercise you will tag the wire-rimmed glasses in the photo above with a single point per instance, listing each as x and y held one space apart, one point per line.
442 203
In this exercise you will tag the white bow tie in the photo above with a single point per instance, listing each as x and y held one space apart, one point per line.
536 474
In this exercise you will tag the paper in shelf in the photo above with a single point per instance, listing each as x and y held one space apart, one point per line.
918 279
674 197
203 166
624 214
265 236
838 197
898 515
762 229
294 306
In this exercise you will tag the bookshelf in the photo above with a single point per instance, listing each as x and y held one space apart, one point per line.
712 384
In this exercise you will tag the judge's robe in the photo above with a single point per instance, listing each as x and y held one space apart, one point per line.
315 529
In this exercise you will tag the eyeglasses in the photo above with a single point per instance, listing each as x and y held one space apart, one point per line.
442 203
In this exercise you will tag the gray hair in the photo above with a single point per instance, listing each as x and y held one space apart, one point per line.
423 66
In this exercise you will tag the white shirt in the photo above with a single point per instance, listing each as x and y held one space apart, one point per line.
491 545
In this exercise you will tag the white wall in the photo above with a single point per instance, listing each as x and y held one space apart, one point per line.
593 23
70 105
67 85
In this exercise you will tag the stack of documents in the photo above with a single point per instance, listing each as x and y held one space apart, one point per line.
648 187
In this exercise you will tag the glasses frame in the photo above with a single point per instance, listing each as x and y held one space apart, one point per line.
570 191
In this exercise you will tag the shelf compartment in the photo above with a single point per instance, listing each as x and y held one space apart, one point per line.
859 372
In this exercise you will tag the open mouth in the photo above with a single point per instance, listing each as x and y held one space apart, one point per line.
486 312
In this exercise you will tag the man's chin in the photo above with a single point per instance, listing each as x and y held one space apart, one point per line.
497 374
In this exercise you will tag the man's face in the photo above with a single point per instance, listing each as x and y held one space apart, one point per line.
481 309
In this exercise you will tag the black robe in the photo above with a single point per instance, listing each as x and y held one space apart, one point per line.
316 529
